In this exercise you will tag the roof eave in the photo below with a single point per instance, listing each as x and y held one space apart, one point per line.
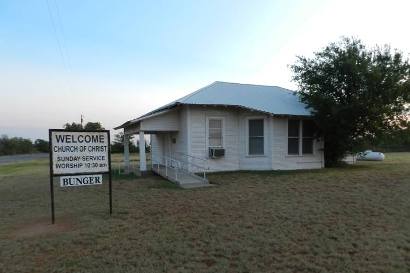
155 112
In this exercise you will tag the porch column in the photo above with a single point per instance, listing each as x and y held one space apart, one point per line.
126 153
143 159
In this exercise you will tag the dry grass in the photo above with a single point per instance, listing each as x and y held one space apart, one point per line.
354 219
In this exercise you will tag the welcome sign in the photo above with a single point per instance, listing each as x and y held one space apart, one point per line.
79 158
79 152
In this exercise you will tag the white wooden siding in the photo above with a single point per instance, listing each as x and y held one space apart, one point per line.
162 144
280 158
179 149
191 139
198 132
166 122
156 148
236 141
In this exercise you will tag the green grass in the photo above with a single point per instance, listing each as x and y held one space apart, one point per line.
352 219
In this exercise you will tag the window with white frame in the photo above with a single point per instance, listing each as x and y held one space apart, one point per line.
256 137
300 136
215 135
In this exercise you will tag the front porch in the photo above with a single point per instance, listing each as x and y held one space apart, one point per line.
164 160
168 156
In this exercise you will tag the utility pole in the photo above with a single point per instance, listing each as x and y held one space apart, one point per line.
82 121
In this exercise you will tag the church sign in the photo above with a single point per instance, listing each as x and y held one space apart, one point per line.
79 158
79 152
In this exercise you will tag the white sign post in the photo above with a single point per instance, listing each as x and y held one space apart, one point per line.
83 155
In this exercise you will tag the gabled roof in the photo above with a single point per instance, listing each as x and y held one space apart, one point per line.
273 100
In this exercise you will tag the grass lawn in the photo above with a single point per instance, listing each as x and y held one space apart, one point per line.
353 219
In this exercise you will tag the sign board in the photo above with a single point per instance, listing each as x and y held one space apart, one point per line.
79 158
81 180
79 152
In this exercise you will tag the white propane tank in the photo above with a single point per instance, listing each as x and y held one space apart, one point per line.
370 156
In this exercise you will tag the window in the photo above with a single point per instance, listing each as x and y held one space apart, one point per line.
215 138
293 136
300 136
256 137
308 133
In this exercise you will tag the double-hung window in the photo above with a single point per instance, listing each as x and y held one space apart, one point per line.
308 133
256 137
293 136
215 135
301 134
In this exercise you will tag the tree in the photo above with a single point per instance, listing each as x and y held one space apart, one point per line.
118 144
73 126
15 145
397 140
355 94
41 145
93 126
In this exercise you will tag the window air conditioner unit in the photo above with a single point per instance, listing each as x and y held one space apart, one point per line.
216 152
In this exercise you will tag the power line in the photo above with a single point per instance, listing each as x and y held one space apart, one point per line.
64 57
63 40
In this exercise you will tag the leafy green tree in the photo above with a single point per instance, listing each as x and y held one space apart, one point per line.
397 140
118 144
356 94
73 126
15 145
94 126
41 145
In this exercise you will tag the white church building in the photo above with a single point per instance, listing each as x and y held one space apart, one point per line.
228 127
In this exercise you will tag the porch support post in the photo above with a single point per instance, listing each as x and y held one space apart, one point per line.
143 159
126 154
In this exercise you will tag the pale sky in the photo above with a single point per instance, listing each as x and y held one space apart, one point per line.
115 60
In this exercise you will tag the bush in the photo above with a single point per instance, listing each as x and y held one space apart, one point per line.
15 145
41 146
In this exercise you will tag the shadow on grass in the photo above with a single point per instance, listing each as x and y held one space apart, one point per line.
165 184
341 168
151 181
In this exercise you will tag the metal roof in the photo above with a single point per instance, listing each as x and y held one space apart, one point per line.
268 99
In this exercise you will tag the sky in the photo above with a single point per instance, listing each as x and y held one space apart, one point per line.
112 61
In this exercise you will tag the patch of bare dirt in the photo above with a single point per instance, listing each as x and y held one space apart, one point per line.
41 227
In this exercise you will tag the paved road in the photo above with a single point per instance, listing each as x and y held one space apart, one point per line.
4 159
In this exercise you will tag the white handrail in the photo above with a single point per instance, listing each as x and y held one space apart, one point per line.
203 165
179 166
193 157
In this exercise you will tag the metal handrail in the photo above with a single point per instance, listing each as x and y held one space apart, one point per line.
178 166
193 157
189 162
